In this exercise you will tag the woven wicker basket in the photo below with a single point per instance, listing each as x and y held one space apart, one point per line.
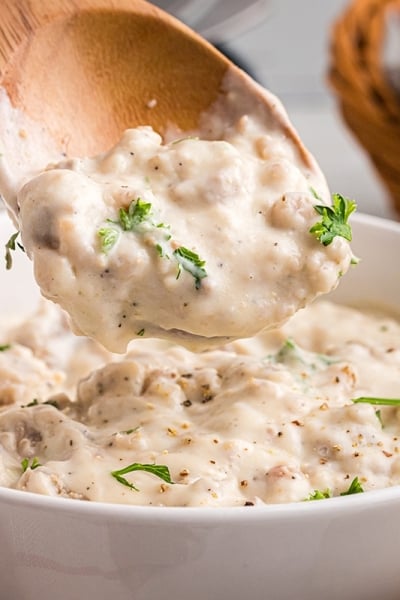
369 102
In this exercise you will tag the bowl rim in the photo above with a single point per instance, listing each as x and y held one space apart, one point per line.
335 506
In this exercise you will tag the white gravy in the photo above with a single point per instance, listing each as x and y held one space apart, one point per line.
218 246
199 241
258 421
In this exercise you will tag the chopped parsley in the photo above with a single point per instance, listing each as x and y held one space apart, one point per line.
131 218
160 471
354 488
109 237
318 495
4 347
27 463
52 402
11 245
377 401
294 356
334 220
192 263
33 402
315 194
140 332
138 218
378 414
127 431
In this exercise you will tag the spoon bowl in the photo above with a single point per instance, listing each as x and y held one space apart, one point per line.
90 69
74 75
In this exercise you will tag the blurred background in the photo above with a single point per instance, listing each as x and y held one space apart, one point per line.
284 44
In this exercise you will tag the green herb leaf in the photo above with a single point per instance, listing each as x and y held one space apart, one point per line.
140 333
292 355
52 403
334 220
377 401
319 495
378 414
109 237
192 263
34 463
137 218
11 246
315 194
128 431
132 217
160 471
5 347
355 488
33 402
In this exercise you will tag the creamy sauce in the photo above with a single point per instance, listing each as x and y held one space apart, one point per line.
258 421
223 250
199 241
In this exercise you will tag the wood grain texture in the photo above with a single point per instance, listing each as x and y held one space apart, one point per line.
91 68
86 70
368 102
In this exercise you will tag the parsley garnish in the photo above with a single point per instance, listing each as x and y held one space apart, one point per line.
128 431
5 347
334 219
34 463
377 401
137 212
130 219
318 495
11 245
355 488
33 402
315 194
140 332
52 403
160 471
293 355
378 414
109 237
192 263
137 218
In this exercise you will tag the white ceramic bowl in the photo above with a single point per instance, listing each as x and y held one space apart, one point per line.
337 549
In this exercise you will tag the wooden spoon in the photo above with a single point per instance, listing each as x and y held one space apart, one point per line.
85 70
